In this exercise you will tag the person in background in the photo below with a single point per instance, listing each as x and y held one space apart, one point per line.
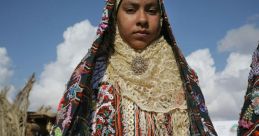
249 116
134 80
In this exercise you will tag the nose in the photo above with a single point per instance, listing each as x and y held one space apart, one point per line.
142 19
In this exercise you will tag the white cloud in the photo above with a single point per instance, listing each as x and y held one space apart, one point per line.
203 64
242 40
5 68
6 73
223 90
51 85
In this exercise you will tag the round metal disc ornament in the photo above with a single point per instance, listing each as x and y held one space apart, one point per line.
139 65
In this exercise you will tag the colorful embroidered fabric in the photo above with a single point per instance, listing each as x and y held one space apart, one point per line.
78 104
249 117
130 120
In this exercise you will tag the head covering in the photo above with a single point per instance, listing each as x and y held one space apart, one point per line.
77 104
117 3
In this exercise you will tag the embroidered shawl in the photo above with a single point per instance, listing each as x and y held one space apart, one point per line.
249 117
78 102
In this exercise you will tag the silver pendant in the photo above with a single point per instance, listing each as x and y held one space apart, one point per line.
139 65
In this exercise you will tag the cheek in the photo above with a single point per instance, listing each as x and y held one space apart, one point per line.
156 23
122 22
126 23
123 31
125 26
155 26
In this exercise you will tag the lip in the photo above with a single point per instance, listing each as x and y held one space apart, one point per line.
141 34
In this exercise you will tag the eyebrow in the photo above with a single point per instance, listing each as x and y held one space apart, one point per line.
130 3
134 3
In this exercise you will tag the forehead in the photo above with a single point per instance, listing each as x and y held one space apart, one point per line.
139 2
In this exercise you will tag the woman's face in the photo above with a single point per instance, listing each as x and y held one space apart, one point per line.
139 22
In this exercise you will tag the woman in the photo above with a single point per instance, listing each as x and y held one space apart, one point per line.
134 80
249 117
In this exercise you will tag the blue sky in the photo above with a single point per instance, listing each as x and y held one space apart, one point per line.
31 30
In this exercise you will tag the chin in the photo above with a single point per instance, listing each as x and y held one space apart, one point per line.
139 45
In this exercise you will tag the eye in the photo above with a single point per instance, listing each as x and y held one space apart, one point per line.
130 10
153 11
